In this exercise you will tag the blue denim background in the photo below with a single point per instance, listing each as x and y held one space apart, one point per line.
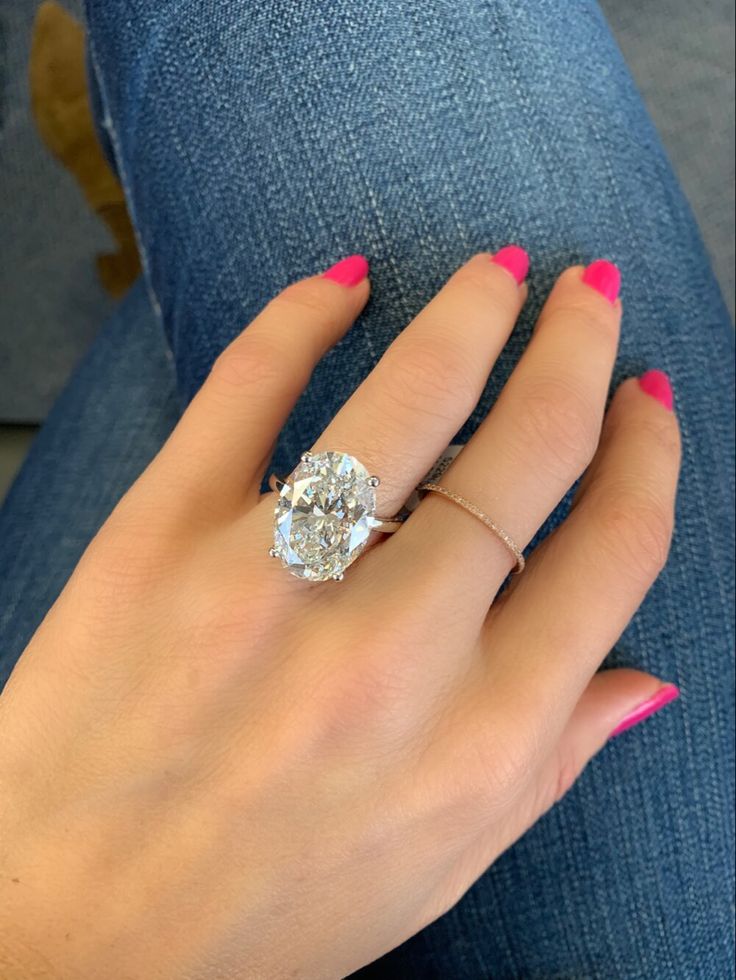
261 142
681 55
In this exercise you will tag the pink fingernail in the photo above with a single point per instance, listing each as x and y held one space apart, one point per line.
605 278
349 271
513 259
666 693
657 384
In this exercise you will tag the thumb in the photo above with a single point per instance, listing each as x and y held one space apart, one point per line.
614 701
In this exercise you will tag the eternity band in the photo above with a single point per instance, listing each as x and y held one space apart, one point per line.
471 508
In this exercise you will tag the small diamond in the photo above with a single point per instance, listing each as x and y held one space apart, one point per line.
324 515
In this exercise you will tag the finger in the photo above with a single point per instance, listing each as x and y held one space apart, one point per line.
223 441
429 380
553 628
614 701
534 444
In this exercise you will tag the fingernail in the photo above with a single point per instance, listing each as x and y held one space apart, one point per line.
666 693
657 384
513 259
349 271
605 278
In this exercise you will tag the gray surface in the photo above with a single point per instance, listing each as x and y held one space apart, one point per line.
15 441
51 304
682 56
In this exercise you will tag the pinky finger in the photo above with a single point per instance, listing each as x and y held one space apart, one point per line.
613 702
585 582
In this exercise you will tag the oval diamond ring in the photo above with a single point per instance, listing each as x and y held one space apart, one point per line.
324 515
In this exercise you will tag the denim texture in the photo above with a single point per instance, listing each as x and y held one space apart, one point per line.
261 142
681 55
106 426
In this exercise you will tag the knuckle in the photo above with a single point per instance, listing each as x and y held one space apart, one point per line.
213 623
253 360
566 771
636 530
476 278
502 764
584 313
428 379
662 432
556 779
120 560
558 427
368 694
118 572
307 297
479 282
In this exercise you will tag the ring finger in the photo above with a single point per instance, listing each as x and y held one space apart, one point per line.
530 449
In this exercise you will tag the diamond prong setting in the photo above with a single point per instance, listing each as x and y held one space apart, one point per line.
324 514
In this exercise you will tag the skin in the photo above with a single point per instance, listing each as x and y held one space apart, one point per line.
212 769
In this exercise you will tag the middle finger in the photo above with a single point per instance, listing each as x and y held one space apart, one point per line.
429 380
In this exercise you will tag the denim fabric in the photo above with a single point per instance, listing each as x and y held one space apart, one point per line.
260 142
106 426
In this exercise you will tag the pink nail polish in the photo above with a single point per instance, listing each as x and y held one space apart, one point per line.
605 278
349 271
657 384
666 694
513 259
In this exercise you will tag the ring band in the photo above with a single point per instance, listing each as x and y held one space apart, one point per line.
471 508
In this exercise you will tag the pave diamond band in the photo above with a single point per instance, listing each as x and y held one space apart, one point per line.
484 518
324 515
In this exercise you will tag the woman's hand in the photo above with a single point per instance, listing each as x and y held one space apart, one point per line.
210 768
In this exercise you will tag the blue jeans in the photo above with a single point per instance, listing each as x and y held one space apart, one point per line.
261 142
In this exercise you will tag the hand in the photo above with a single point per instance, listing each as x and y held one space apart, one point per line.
211 768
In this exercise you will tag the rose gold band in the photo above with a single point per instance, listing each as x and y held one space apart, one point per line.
484 518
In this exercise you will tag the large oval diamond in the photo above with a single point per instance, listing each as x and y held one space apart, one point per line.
324 515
